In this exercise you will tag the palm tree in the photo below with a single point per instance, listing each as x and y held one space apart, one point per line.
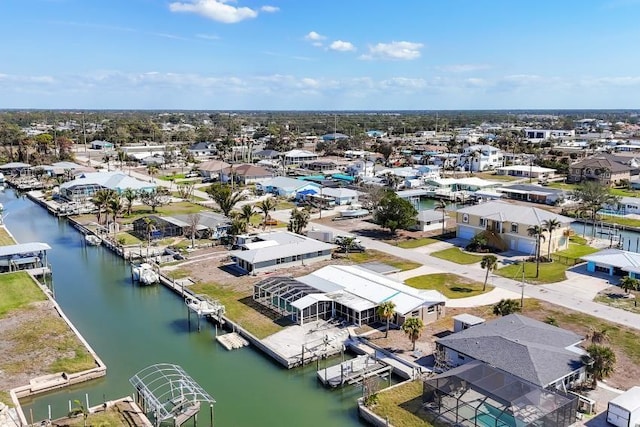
598 336
224 197
550 225
150 227
152 170
245 213
412 327
506 307
100 200
114 207
238 226
537 232
266 206
489 263
441 206
299 220
386 310
627 283
600 361
130 195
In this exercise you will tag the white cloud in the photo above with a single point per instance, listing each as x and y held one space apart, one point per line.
463 68
313 36
342 46
208 36
394 51
269 9
217 10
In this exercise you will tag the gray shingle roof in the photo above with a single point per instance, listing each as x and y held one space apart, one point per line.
502 211
524 347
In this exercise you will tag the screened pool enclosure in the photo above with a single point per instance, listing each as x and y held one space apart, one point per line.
476 394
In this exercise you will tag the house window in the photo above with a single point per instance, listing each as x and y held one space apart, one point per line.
431 309
280 261
319 253
460 357
465 218
483 222
514 228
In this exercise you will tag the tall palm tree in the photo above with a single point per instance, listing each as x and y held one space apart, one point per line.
224 197
489 263
536 232
100 200
299 220
441 206
150 227
412 327
265 206
130 195
114 207
600 361
152 170
386 310
627 283
550 225
245 213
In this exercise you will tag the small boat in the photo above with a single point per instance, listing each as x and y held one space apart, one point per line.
354 211
93 240
145 275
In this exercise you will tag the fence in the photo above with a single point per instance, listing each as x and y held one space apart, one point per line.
566 260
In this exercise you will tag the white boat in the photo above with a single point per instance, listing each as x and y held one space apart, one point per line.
354 211
92 240
1 179
145 275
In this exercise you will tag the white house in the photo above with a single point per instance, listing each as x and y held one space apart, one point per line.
296 157
279 250
342 196
539 135
286 187
477 158
428 220
525 171
87 185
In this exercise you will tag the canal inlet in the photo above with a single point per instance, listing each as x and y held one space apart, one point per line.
131 327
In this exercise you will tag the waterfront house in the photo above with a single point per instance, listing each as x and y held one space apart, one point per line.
341 196
532 193
506 225
477 158
296 157
542 354
350 293
87 185
278 250
428 220
210 225
524 171
604 168
614 262
285 186
265 155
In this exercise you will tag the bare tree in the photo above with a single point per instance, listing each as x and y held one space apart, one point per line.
193 220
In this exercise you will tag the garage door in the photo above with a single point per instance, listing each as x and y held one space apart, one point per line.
466 232
527 246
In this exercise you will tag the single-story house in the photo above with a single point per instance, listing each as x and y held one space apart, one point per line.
429 219
202 149
87 185
627 205
532 193
277 250
614 262
159 227
265 154
351 293
245 174
341 196
15 167
211 225
542 354
101 145
506 226
296 157
212 168
68 169
524 171
156 160
285 186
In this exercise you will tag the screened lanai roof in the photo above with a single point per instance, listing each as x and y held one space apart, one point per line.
478 384
286 288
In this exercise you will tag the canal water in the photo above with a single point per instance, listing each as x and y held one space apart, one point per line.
132 327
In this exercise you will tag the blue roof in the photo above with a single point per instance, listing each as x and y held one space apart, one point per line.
343 177
306 192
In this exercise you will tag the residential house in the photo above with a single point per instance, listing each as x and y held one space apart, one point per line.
532 193
202 149
278 250
524 171
614 262
266 155
477 158
88 184
542 354
245 174
210 225
212 169
285 186
297 157
506 226
539 135
341 196
429 219
101 145
351 293
604 168
626 205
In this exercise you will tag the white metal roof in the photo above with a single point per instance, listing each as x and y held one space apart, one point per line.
629 400
309 300
628 261
514 213
286 245
469 319
23 248
112 180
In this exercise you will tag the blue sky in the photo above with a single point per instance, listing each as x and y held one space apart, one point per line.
319 54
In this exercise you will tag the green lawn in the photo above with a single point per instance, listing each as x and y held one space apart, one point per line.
578 239
458 256
550 272
174 208
450 285
171 177
127 239
18 290
372 255
492 176
401 404
576 250
617 300
5 238
245 315
416 243
284 205
618 220
563 186
623 192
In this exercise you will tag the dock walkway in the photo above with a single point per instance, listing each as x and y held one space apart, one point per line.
232 341
403 368
352 371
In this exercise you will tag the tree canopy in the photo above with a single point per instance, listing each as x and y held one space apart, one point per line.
394 213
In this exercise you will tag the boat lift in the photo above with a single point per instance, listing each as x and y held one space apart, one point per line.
204 306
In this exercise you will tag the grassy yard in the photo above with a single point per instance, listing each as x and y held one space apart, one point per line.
176 274
450 285
416 243
492 176
6 398
174 208
401 404
629 222
284 205
111 417
458 256
5 238
373 255
550 272
17 290
576 251
617 300
240 308
127 239
563 186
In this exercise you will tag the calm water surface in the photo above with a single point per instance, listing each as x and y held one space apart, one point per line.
132 327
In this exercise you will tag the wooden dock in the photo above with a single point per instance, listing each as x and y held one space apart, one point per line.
352 371
232 341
